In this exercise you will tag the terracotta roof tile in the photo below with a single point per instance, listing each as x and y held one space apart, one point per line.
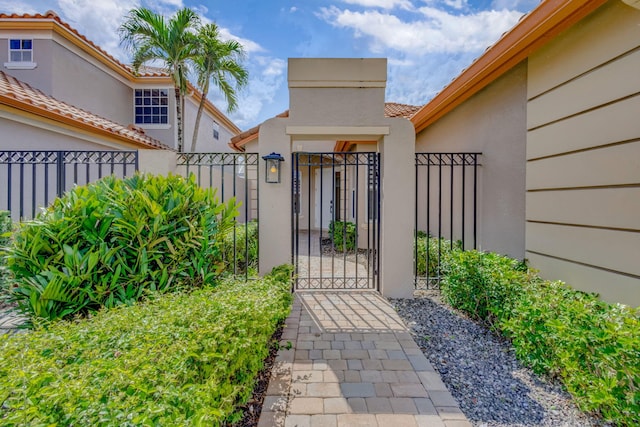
393 109
20 95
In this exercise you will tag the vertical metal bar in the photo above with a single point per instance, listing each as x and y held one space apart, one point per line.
113 161
475 200
246 215
21 198
321 176
136 160
222 178
294 234
46 180
378 219
464 185
309 220
60 173
429 157
100 161
235 257
33 189
333 218
439 211
354 203
257 164
345 158
415 225
451 204
9 178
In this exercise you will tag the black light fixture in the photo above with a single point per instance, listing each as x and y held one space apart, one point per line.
272 170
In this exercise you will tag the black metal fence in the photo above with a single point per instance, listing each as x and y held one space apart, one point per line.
231 175
335 220
33 179
446 203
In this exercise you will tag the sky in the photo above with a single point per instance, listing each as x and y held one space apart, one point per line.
427 42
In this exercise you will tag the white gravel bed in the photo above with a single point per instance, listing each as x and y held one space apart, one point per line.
481 371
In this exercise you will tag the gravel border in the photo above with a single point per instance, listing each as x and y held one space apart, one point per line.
481 371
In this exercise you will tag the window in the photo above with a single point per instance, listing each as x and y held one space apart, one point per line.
152 106
20 50
20 55
216 130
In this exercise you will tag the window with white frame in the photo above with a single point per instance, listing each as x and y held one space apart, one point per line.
216 130
151 106
20 54
20 50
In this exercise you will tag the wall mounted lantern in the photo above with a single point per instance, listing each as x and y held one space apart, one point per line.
272 170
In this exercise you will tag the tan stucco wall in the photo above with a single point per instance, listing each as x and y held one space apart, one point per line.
342 99
40 76
206 142
583 155
492 122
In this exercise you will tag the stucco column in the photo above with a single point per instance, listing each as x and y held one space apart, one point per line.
398 213
157 162
274 200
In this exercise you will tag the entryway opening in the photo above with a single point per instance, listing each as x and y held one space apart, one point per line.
335 217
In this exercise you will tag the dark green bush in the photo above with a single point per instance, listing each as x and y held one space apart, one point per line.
6 228
592 346
484 285
244 258
180 359
343 235
432 252
113 241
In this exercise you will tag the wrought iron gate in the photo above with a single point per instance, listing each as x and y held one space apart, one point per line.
335 217
446 210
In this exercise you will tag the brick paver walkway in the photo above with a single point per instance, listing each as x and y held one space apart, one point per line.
352 362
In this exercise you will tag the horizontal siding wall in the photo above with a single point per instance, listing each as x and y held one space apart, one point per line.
583 155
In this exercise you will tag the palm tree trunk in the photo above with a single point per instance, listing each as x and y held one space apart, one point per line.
196 126
179 118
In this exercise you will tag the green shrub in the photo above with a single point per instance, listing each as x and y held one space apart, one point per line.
484 285
343 235
180 359
428 248
6 227
113 241
592 346
244 258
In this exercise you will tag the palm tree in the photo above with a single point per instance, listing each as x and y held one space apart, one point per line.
218 61
151 37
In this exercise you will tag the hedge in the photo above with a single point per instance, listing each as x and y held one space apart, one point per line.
114 241
181 359
593 347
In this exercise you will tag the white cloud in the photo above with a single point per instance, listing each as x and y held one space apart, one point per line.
260 97
12 6
98 20
249 45
293 9
383 4
434 31
456 4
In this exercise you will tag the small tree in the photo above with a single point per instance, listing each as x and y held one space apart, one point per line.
150 37
218 61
